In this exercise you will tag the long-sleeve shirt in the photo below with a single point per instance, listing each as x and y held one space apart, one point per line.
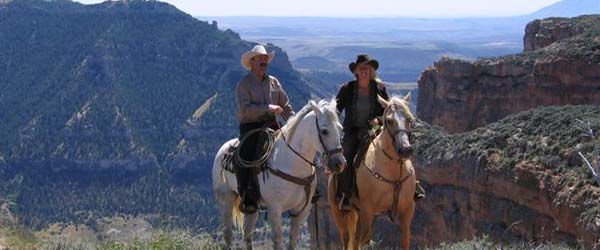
253 97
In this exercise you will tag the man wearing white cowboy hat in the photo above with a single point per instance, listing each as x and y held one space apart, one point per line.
259 97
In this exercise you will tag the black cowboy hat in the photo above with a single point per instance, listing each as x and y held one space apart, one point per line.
363 58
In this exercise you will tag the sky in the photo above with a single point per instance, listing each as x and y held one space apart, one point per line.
358 8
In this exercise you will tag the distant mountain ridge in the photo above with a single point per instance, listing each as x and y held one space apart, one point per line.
568 8
323 46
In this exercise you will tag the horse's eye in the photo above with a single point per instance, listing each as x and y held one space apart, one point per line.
325 132
390 121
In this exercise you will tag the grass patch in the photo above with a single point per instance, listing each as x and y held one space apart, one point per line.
159 241
484 242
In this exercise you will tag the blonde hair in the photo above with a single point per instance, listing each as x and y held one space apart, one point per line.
374 76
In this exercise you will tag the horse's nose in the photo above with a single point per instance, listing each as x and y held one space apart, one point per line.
337 164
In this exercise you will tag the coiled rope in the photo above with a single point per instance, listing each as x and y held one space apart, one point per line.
268 146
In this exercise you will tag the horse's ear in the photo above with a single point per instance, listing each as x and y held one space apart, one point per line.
407 97
382 101
333 104
315 107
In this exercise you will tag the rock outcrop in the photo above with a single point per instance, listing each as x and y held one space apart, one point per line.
517 179
560 66
541 33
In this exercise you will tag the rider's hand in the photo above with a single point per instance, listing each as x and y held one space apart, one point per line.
374 122
275 109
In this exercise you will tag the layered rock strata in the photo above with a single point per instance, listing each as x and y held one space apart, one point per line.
560 66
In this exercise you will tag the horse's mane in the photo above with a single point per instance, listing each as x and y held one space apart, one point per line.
329 111
292 123
400 102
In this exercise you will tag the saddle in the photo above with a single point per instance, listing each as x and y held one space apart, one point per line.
229 162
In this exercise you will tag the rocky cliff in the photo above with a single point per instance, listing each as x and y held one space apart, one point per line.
517 179
560 66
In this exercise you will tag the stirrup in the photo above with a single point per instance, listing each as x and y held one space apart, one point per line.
420 192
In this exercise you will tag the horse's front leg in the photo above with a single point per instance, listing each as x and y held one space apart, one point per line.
249 223
352 224
275 222
364 226
296 223
405 221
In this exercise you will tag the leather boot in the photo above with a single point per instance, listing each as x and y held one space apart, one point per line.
419 191
248 204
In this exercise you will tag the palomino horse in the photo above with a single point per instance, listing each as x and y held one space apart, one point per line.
291 177
386 180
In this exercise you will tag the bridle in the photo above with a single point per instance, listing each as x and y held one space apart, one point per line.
392 108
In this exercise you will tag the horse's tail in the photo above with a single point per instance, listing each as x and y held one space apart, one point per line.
224 195
238 216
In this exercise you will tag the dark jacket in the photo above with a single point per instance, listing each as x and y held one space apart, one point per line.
346 100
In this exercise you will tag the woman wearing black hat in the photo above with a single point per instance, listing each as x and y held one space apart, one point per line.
359 100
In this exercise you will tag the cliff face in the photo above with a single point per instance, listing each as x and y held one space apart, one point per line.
541 33
517 179
560 66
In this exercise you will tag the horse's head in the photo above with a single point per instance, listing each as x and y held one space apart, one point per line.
397 123
330 132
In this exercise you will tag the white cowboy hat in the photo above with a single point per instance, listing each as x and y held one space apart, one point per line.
257 50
